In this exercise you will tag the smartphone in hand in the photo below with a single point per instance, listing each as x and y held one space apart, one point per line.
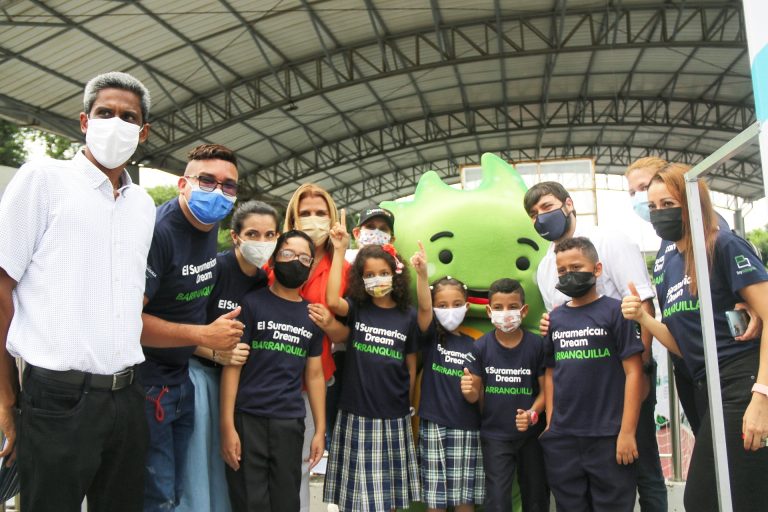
738 319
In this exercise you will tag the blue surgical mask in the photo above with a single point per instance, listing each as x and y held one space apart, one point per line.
209 207
552 225
640 205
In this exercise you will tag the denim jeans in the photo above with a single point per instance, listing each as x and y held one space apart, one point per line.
171 421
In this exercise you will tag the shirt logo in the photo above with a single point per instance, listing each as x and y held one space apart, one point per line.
743 264
659 264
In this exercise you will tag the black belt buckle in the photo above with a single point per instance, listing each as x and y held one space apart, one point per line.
118 379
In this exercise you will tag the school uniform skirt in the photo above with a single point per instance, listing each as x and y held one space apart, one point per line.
371 464
451 466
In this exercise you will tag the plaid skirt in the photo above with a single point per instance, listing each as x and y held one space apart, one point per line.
371 464
451 465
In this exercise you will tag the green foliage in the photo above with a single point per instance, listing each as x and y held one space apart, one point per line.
12 152
225 241
163 193
759 237
56 146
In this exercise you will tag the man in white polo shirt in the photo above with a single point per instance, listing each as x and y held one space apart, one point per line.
552 211
74 238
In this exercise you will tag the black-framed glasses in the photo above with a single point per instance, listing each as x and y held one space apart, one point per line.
289 255
208 184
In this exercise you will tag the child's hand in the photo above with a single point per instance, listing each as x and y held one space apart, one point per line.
419 261
544 324
338 234
632 305
316 448
320 315
230 448
626 449
522 420
468 387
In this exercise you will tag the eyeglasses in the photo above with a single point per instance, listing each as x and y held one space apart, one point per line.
289 255
209 184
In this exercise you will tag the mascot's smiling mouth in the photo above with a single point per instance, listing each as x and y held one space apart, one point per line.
477 296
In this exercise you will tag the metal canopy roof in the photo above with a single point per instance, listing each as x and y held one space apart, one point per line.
362 96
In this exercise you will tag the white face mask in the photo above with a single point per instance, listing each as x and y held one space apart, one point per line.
450 318
111 141
316 228
257 253
506 321
373 237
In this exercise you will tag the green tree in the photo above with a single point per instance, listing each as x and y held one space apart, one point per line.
162 193
56 146
12 152
759 237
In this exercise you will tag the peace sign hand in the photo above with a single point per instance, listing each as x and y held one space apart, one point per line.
419 261
338 234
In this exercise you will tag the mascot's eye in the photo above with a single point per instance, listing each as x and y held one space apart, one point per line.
445 256
522 263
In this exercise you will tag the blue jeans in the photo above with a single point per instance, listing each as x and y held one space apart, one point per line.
171 422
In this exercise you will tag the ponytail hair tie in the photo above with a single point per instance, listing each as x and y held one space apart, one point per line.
390 249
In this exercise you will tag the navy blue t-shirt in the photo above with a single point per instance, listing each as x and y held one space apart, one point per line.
445 358
181 270
510 381
376 379
281 338
586 346
231 284
734 267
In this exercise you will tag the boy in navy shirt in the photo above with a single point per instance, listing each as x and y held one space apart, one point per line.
593 390
506 375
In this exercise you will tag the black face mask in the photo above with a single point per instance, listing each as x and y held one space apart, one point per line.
291 274
552 225
668 223
576 284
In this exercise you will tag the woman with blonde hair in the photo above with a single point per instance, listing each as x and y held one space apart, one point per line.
312 210
736 275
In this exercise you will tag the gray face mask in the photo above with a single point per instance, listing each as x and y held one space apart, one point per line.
257 253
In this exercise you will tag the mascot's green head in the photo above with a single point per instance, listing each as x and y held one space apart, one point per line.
476 236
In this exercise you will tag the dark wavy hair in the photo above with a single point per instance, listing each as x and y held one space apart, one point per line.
400 282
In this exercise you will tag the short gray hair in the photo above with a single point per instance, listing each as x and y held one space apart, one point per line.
116 80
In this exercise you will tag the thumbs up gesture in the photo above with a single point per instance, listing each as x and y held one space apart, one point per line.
470 387
632 305
225 332
522 420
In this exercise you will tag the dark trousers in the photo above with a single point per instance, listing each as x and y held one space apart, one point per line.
500 460
585 476
76 442
686 393
650 478
270 464
748 469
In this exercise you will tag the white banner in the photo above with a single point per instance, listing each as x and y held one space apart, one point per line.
756 15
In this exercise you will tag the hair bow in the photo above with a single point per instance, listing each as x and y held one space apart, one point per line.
390 249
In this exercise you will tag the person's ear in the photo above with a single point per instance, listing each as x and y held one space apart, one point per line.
466 305
523 311
182 183
598 269
83 122
488 310
355 232
233 235
144 133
